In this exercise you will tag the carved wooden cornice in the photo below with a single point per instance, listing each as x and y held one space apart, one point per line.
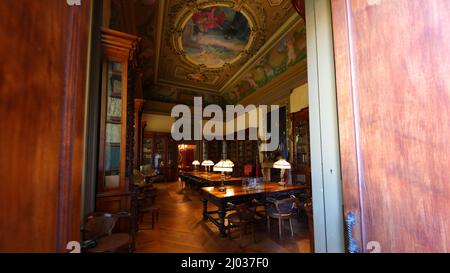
120 45
180 13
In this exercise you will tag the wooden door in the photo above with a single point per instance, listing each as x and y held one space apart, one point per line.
187 157
42 82
393 89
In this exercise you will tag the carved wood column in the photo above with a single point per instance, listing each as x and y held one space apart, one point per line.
141 144
138 110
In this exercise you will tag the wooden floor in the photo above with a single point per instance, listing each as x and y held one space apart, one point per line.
181 230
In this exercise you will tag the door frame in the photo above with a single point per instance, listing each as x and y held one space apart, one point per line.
325 154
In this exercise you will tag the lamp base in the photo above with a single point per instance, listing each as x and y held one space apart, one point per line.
222 189
281 183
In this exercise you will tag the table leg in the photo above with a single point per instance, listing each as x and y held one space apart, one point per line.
222 214
205 209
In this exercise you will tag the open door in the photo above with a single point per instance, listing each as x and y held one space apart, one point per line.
393 89
42 79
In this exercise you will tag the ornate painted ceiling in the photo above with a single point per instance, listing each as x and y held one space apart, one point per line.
223 50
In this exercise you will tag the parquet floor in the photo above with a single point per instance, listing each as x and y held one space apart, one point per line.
180 229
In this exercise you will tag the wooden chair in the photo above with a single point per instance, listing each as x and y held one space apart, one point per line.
146 206
145 186
282 210
98 233
243 218
146 202
152 174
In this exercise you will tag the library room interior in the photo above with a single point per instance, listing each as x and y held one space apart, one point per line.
233 126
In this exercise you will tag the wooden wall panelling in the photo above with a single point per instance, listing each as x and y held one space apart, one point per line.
116 203
242 152
119 48
214 150
162 143
138 135
42 129
393 95
300 143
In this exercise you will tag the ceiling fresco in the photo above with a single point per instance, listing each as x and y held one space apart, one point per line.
200 47
215 36
285 55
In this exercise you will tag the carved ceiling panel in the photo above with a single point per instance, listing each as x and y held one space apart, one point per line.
199 47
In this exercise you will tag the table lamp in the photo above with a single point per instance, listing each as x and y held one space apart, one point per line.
207 164
283 165
231 165
223 166
196 163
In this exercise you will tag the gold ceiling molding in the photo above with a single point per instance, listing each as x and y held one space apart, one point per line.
181 13
163 82
165 59
294 21
281 87
264 17
159 34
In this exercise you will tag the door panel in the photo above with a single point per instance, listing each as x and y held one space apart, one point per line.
42 79
393 88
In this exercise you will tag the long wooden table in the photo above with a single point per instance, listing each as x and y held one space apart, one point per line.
203 179
237 195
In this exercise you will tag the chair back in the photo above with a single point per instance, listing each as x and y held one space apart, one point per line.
246 211
98 225
286 206
148 170
138 178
